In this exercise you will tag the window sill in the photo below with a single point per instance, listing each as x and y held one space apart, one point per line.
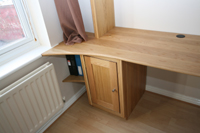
21 61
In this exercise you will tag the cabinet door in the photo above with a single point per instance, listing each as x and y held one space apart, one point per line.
103 83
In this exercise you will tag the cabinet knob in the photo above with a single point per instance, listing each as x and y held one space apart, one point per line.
113 90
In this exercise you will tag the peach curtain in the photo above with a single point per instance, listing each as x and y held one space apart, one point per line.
71 21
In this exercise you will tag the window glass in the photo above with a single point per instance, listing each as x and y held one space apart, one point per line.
10 27
16 30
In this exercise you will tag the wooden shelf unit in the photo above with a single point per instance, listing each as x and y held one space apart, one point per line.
73 78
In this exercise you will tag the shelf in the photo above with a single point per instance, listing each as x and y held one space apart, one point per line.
72 78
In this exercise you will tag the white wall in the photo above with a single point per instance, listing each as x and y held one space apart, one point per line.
179 16
86 15
51 20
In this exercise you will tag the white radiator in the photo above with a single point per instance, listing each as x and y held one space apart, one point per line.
30 102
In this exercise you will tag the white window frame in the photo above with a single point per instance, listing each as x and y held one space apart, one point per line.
21 46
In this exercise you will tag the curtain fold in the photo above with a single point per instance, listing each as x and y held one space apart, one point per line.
71 21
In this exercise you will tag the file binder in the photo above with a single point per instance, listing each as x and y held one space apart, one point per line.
72 64
78 64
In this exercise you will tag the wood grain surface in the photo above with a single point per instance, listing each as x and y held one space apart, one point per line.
134 83
150 48
102 76
153 114
73 78
103 16
86 79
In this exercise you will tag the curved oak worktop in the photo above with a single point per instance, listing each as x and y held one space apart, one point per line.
150 48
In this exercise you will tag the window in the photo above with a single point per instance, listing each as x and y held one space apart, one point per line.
16 31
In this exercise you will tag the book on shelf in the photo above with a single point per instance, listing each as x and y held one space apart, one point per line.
78 64
72 65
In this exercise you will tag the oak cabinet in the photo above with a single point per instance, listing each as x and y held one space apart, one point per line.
103 82
113 85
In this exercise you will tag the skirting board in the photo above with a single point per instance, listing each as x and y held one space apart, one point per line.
66 106
174 95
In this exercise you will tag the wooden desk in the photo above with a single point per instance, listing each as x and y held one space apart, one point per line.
131 50
114 61
150 48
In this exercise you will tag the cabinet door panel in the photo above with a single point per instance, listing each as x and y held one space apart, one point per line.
102 76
